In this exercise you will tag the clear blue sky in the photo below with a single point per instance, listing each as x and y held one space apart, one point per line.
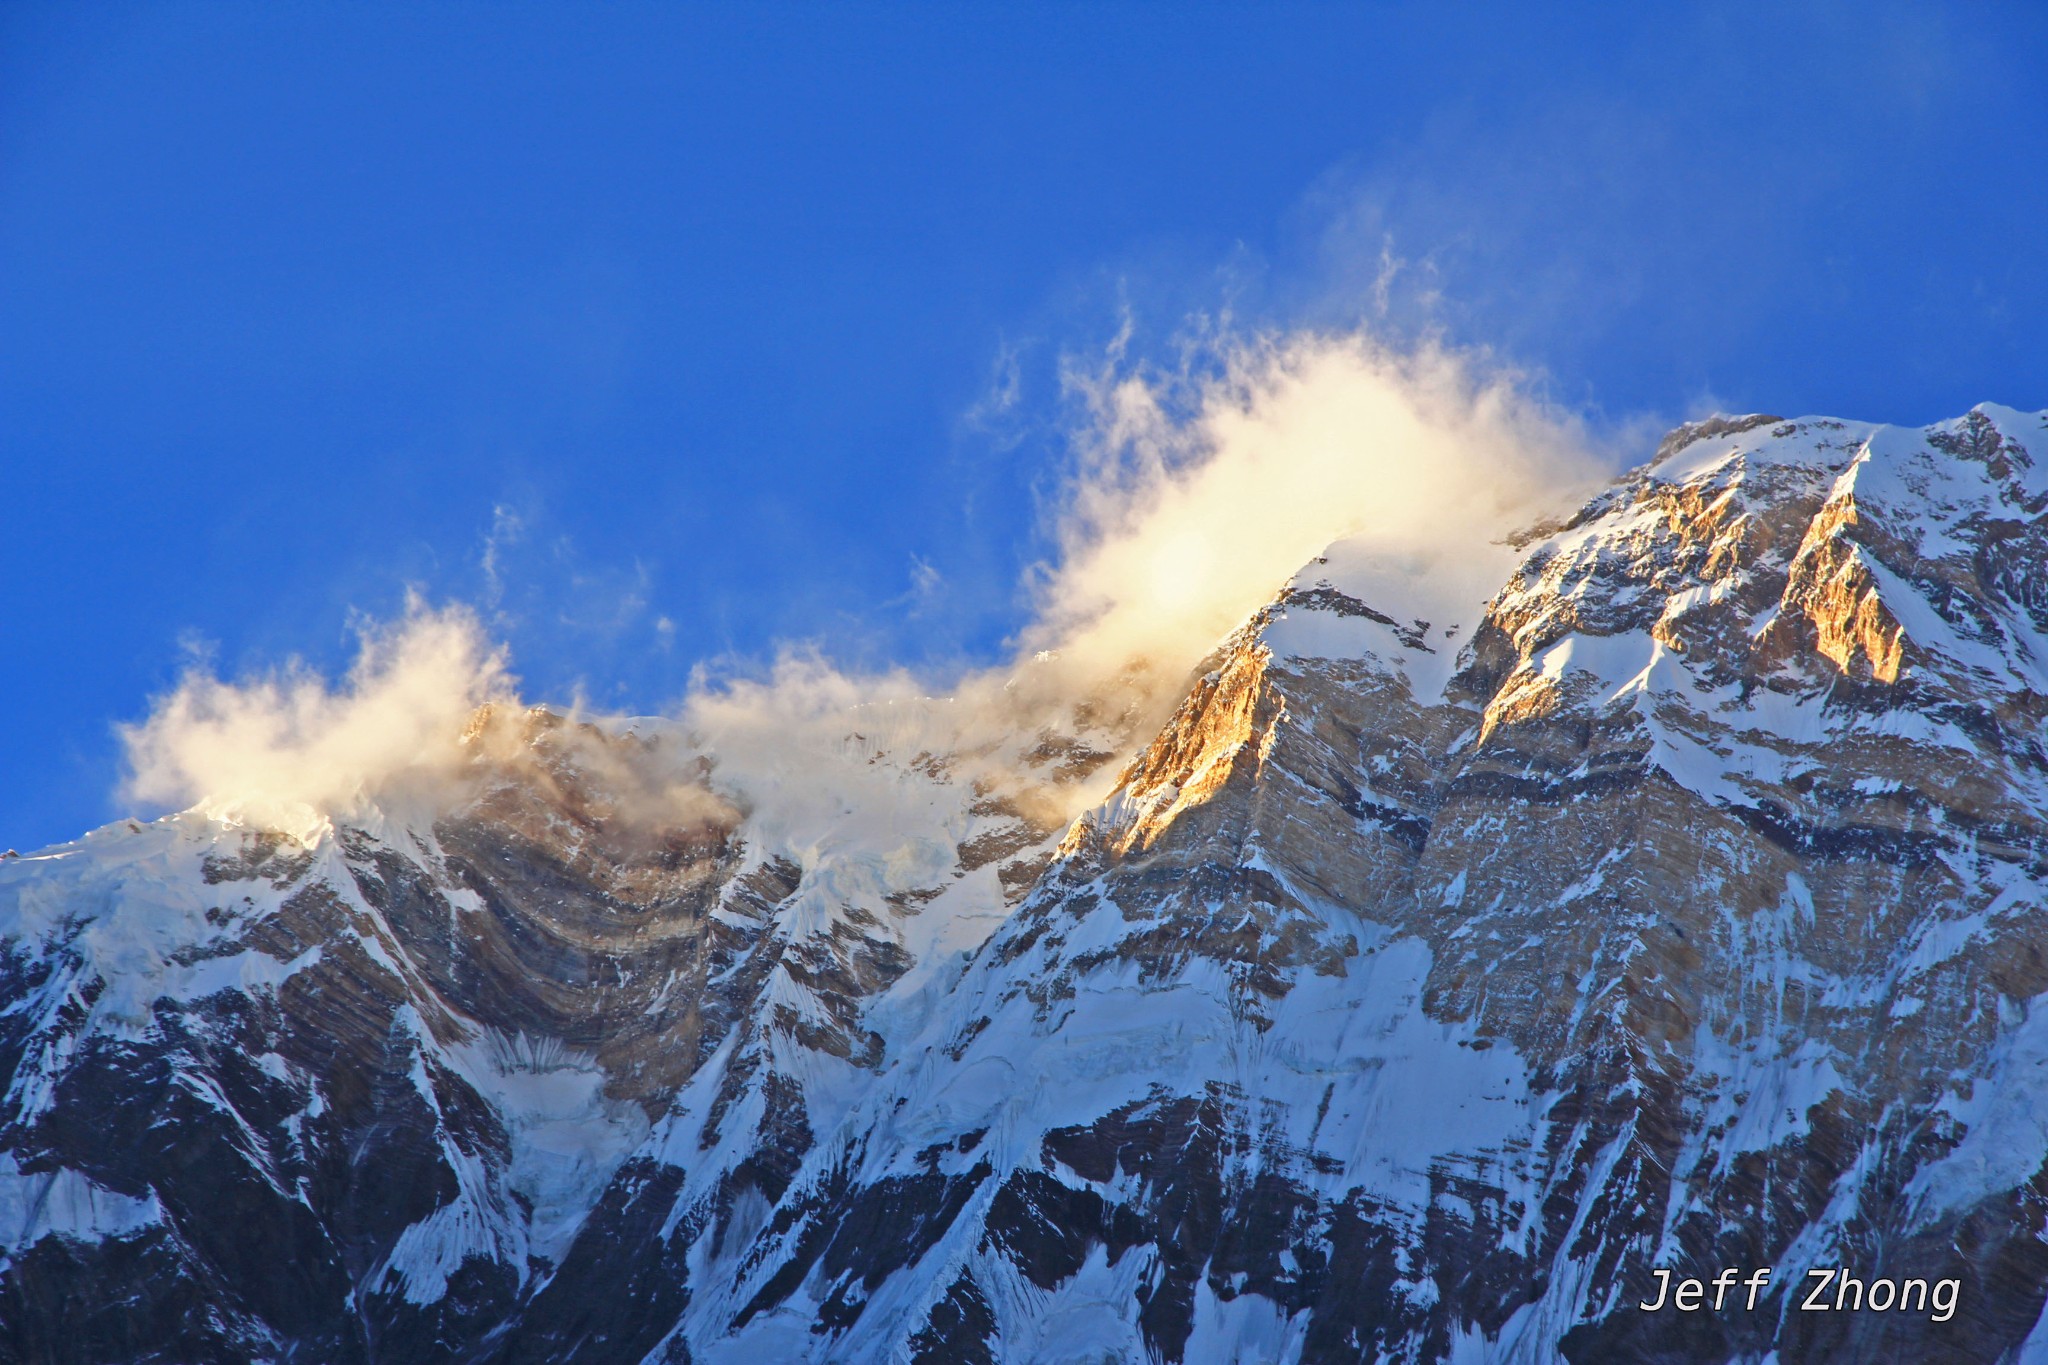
298 301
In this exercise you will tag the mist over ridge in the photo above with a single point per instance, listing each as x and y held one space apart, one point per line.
1190 497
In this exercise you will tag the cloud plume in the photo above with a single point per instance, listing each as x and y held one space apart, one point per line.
1192 495
280 749
1197 493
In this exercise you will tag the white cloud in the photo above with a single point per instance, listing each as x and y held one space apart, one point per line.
507 529
1193 496
1196 496
281 749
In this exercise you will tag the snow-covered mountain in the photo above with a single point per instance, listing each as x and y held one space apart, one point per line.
1421 989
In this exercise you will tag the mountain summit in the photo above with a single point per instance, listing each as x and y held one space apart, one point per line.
1425 990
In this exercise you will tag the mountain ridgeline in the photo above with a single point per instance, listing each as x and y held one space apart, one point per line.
1422 990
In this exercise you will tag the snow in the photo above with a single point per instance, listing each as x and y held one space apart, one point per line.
1761 1093
1411 1092
1246 1330
86 902
2006 1117
64 1203
1810 443
567 1140
1442 602
568 1137
1086 1319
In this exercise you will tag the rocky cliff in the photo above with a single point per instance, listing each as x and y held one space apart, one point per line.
1421 991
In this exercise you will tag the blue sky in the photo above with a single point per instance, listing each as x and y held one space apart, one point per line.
605 317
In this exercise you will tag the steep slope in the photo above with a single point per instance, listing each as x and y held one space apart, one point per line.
1421 988
1394 1011
351 1095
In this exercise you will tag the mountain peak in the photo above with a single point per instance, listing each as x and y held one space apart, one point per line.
1656 890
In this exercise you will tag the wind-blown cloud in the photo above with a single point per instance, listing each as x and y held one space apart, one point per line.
281 749
1194 498
1193 495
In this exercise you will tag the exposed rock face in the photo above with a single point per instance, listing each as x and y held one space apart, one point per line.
1422 988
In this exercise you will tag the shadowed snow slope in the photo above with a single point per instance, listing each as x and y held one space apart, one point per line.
1440 969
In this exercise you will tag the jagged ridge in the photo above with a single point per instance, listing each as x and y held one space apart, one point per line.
1422 986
